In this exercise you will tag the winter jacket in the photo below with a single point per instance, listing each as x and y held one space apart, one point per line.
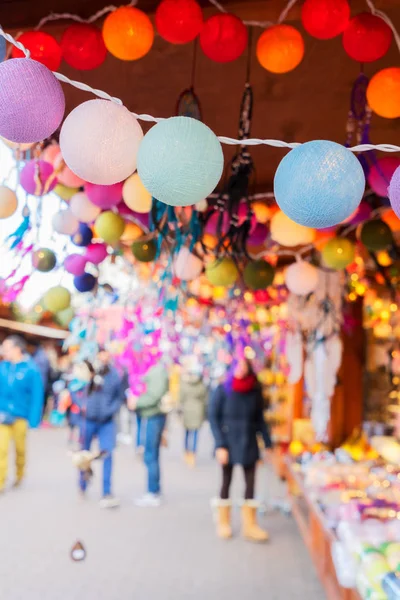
157 384
193 401
236 418
102 404
21 391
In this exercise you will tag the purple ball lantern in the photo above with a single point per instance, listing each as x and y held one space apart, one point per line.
104 196
85 283
75 264
394 192
37 177
381 173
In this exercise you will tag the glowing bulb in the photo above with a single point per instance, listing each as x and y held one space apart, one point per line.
385 315
393 307
360 289
352 297
354 277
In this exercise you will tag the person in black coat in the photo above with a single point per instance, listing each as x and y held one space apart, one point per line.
236 418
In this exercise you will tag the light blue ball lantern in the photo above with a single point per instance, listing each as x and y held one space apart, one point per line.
180 161
319 184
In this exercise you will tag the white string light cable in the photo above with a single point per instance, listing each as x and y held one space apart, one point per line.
223 139
68 16
263 24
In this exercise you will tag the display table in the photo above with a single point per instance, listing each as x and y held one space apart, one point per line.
316 535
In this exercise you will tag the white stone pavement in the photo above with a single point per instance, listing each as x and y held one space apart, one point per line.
169 553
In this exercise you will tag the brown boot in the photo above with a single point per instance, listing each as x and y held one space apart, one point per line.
250 529
224 529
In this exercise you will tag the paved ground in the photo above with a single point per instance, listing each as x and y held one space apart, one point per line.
138 554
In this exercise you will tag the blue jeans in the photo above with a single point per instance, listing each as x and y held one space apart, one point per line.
191 437
140 431
106 433
154 430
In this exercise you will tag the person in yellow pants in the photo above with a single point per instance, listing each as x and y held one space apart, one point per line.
21 404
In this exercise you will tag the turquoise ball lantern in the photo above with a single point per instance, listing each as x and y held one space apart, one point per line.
319 184
180 161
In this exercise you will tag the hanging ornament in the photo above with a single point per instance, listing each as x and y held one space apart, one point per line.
261 211
286 232
381 173
187 266
83 47
325 19
131 233
394 193
75 264
383 93
43 48
258 275
135 195
44 260
376 235
222 272
128 33
56 299
104 196
96 253
223 38
338 254
85 283
144 251
301 278
84 210
38 177
280 49
65 175
8 202
367 38
110 227
179 21
83 236
65 222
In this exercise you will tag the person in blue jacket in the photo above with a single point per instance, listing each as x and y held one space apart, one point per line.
21 404
100 402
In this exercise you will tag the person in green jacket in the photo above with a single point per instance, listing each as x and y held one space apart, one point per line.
193 402
149 407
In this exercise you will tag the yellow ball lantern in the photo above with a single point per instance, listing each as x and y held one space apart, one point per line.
280 49
286 232
109 227
222 272
262 212
128 33
56 299
8 202
338 254
383 93
132 232
64 192
135 195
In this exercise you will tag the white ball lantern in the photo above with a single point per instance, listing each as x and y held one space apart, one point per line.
187 266
8 202
301 278
286 232
84 210
99 141
135 195
65 222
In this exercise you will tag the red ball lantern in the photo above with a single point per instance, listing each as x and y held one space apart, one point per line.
223 38
83 47
179 21
325 19
43 48
367 38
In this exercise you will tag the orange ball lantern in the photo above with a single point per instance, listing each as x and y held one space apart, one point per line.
179 21
325 19
43 47
367 38
83 47
223 38
280 49
383 93
128 33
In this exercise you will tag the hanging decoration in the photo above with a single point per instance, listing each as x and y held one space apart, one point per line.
325 19
280 49
128 33
383 93
82 47
223 38
8 202
179 21
367 38
43 47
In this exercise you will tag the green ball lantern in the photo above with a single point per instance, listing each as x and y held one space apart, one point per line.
222 272
144 251
64 317
338 254
258 275
376 235
109 227
44 260
56 299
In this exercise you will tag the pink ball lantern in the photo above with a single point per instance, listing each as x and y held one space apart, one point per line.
258 236
43 47
104 196
212 224
381 173
394 192
38 177
325 19
96 253
50 153
83 46
361 214
75 264
65 175
223 38
32 102
179 21
367 38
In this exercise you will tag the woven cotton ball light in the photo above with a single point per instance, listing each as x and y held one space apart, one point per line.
144 251
104 196
135 195
223 38
338 254
75 264
83 46
83 209
222 272
383 93
50 153
8 202
179 21
301 278
280 49
367 38
187 266
37 177
64 192
319 184
258 275
286 232
85 283
376 235
57 299
43 47
83 236
65 175
44 260
394 192
65 222
96 253
99 141
180 161
32 102
381 173
128 33
261 211
110 227
131 233
325 19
